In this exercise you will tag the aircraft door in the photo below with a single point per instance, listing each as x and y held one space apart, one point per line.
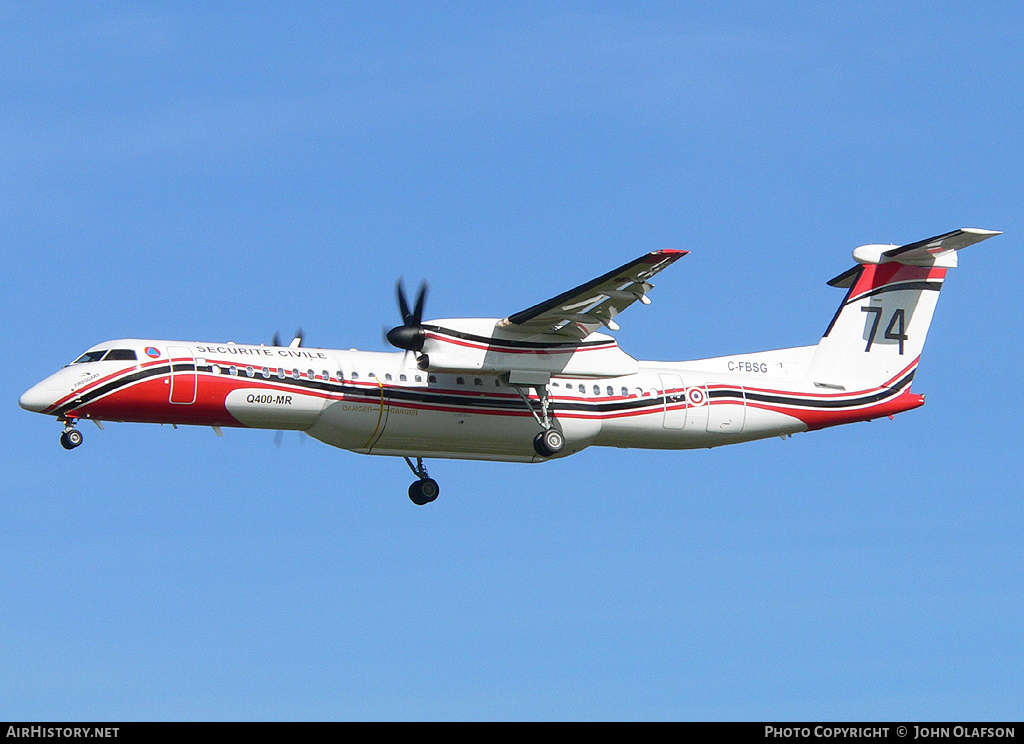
183 375
675 401
727 415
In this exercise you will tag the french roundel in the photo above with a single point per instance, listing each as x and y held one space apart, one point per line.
152 351
695 396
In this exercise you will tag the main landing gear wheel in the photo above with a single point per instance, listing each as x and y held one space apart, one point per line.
70 439
549 442
424 491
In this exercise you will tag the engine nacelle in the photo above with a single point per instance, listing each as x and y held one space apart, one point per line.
480 345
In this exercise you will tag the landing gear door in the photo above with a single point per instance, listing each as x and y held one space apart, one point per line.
183 375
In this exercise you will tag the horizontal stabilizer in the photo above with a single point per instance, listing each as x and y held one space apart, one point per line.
939 252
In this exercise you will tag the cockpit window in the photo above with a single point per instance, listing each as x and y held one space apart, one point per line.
120 355
90 356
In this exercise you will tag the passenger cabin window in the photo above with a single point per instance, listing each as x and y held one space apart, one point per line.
402 378
460 381
597 389
610 390
90 356
477 381
583 389
312 374
355 375
387 376
327 375
120 355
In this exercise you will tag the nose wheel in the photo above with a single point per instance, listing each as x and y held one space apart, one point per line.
425 489
71 438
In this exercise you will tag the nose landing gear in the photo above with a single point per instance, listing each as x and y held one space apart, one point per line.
425 489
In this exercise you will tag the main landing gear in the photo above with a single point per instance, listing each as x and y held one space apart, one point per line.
551 440
425 489
71 437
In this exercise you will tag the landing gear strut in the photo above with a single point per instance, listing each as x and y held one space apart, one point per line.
551 440
71 437
425 489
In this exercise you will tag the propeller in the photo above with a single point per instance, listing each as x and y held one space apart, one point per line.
296 342
409 335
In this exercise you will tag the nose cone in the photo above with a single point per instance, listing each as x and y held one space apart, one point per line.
37 398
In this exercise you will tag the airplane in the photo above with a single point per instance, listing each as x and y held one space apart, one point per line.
540 384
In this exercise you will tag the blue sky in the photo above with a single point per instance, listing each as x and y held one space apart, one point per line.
177 171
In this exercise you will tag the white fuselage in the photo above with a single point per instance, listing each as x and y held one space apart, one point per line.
383 403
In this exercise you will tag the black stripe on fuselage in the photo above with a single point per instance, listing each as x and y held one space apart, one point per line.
396 395
112 385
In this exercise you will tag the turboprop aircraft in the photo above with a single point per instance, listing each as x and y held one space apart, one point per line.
539 384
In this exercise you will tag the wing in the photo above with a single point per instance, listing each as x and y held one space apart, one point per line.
581 311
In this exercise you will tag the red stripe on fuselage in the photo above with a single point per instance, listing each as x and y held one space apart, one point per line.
820 419
147 401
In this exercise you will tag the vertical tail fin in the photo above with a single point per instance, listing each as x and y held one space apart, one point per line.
876 336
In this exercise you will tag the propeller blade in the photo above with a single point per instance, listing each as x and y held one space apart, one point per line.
421 298
403 306
299 338
276 340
